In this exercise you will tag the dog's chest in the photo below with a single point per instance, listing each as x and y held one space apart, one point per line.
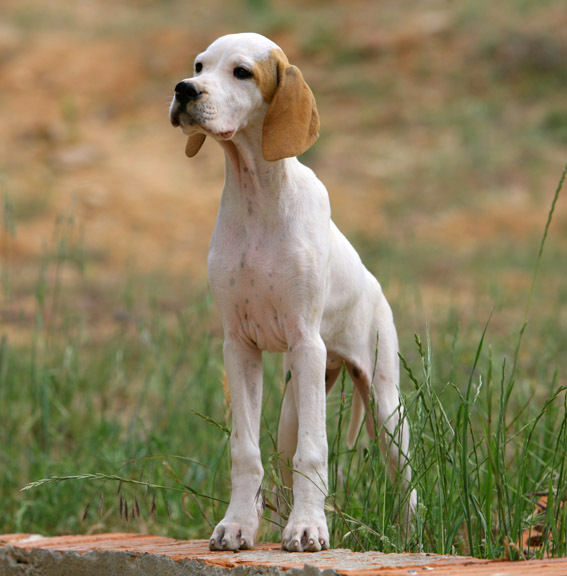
254 275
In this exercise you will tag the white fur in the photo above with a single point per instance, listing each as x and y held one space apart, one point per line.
286 280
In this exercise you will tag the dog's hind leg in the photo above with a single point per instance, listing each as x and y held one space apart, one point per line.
391 421
376 381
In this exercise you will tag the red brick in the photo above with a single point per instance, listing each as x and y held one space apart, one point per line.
142 554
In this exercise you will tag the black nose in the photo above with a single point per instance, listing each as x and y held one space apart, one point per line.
186 92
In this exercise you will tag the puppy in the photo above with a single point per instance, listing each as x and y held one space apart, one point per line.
285 280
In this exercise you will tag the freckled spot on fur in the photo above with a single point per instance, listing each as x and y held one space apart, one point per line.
232 281
246 316
250 211
271 288
252 282
382 377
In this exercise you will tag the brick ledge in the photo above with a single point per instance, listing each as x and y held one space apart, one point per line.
146 555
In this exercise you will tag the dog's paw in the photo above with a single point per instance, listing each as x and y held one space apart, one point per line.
232 536
305 536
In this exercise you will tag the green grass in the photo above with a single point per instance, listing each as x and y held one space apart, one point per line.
130 430
112 389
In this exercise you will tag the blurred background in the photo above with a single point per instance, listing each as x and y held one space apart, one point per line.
443 135
443 139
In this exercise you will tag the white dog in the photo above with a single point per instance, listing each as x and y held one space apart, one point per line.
285 280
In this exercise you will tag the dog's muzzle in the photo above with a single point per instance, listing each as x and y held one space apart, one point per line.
185 93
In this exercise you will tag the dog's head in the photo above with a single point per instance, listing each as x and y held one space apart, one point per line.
240 80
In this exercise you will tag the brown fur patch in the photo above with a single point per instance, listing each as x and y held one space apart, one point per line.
267 72
291 124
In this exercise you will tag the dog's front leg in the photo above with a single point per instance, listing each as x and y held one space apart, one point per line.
237 530
306 529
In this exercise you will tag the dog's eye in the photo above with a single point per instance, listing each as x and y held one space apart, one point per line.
242 73
198 67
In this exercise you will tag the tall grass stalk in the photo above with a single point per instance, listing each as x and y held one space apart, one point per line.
543 241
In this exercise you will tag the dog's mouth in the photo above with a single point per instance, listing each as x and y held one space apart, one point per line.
180 118
226 135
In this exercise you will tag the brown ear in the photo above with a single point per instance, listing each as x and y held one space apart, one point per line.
194 143
291 125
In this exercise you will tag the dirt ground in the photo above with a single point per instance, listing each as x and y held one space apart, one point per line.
87 155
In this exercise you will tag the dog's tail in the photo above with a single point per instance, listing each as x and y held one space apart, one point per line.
357 412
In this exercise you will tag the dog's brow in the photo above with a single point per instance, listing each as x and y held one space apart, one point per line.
242 60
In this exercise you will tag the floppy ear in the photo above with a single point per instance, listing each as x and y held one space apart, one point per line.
291 124
194 143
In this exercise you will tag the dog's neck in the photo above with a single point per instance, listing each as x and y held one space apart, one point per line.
248 177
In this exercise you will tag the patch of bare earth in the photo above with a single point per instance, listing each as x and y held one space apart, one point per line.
85 136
